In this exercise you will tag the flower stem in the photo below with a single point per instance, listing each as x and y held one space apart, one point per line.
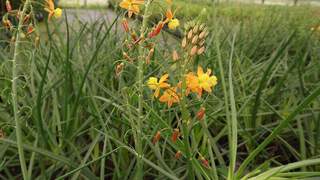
139 173
14 93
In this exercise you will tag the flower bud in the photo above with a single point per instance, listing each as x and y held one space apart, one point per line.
193 50
190 34
119 69
202 35
175 135
150 54
8 6
178 155
175 55
195 39
156 137
204 162
184 42
201 113
30 29
201 50
125 25
195 29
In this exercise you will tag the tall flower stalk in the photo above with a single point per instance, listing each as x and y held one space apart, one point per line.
14 91
139 149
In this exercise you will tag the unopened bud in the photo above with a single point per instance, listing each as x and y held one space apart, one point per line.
175 55
184 42
8 6
201 50
119 69
204 162
125 25
156 137
175 135
193 50
195 39
150 54
178 155
190 34
201 113
195 29
30 29
202 35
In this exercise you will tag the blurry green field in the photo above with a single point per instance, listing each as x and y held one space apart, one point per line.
78 118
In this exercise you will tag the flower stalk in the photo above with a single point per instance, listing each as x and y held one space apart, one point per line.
139 149
15 94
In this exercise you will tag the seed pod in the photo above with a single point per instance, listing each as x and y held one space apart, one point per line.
190 34
195 39
201 50
175 135
175 55
193 50
156 137
184 42
178 155
201 113
119 69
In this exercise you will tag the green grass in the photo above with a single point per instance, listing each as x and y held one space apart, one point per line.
78 119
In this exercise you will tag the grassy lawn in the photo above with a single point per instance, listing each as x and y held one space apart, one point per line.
83 107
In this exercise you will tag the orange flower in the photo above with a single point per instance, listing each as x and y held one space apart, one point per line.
173 23
49 7
156 86
170 96
203 81
132 6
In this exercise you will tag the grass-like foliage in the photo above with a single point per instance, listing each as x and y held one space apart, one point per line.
174 92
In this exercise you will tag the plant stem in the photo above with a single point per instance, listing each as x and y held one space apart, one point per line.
139 174
14 93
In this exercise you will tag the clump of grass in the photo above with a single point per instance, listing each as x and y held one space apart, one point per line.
79 118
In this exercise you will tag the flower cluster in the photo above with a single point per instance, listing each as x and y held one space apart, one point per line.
196 83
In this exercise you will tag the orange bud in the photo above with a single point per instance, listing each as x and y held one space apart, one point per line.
184 42
195 39
26 18
7 23
202 35
175 55
175 135
30 29
193 50
119 69
156 137
150 54
156 30
190 34
178 155
201 50
125 25
8 6
201 113
204 162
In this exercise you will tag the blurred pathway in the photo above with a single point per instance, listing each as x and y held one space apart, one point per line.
90 15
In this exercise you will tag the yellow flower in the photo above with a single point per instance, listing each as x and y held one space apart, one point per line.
170 96
173 24
203 81
57 13
132 6
49 7
156 86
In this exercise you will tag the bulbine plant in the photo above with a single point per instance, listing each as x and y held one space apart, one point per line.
181 87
